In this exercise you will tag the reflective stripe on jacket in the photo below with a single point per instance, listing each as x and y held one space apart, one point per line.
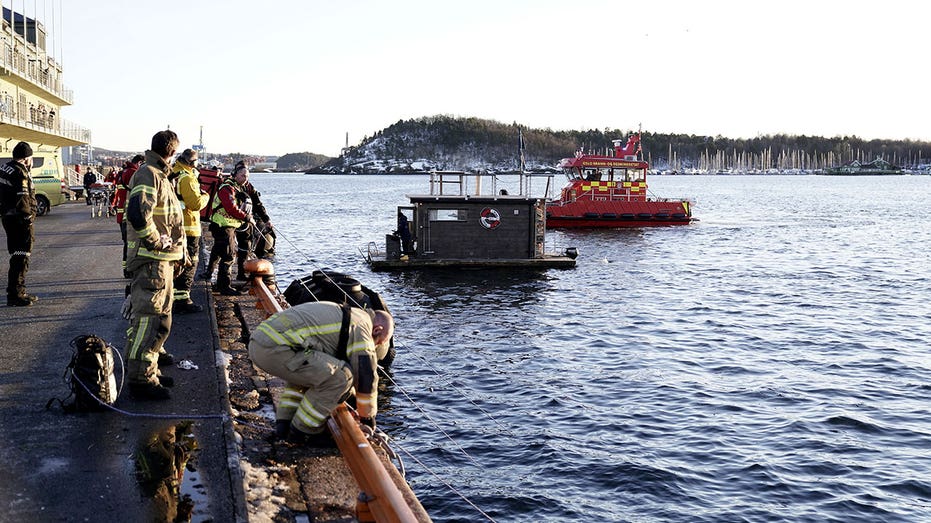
192 198
153 210
315 326
226 211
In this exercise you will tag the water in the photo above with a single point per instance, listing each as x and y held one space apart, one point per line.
766 364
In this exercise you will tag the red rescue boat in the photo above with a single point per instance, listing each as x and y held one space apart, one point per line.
611 191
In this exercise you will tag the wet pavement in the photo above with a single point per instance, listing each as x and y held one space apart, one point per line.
85 466
204 455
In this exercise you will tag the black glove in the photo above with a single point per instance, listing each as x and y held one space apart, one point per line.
368 422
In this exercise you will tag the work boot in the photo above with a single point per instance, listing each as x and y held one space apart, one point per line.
166 381
186 307
149 391
32 297
211 267
165 358
318 440
18 301
229 291
282 429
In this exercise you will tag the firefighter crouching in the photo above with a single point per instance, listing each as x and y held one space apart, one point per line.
325 352
155 246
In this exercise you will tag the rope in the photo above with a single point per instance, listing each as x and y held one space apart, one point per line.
119 391
450 487
383 438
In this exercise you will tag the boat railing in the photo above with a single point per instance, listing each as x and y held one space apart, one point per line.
460 183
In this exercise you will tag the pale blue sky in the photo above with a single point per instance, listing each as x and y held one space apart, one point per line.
286 76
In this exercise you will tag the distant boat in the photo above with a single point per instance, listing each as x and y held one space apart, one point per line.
875 168
611 191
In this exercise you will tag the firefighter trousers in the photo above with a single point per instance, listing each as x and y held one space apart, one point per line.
224 248
315 383
151 296
185 280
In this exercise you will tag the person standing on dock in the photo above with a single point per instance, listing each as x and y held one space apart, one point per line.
90 178
324 351
193 199
231 209
256 237
18 207
119 199
155 245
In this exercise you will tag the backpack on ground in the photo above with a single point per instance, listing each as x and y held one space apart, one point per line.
90 375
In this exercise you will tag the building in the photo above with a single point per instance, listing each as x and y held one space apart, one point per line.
32 95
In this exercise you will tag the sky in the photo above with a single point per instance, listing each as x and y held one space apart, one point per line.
284 76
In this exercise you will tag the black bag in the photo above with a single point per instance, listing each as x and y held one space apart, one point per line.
90 375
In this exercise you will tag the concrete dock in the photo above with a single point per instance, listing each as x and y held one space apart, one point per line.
113 465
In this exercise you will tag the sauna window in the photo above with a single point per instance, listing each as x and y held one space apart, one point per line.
447 215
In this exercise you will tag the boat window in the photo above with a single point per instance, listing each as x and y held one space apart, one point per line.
446 215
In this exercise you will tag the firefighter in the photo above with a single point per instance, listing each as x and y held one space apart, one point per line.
231 209
18 208
324 352
193 199
119 199
155 247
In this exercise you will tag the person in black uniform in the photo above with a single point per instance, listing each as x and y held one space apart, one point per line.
18 209
90 178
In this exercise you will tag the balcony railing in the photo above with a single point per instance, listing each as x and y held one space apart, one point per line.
40 118
25 61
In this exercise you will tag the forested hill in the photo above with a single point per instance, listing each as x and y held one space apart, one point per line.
470 144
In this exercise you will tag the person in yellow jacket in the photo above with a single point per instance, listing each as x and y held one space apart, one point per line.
325 352
193 199
155 246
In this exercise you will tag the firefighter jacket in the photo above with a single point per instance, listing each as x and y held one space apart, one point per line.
191 197
228 205
315 326
153 211
17 193
122 184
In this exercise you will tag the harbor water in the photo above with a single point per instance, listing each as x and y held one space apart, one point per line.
768 363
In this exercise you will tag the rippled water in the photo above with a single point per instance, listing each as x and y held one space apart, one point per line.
766 364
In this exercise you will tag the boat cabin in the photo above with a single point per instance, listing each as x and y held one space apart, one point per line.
594 177
611 191
450 227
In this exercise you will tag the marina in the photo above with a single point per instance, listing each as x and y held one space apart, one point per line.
489 349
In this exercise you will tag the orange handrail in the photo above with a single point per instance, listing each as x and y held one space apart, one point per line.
387 501
383 497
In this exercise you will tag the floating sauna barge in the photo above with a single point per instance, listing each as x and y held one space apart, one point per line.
450 228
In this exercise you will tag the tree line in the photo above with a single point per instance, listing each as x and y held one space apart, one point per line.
443 137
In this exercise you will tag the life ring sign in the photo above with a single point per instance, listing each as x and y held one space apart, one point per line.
490 218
